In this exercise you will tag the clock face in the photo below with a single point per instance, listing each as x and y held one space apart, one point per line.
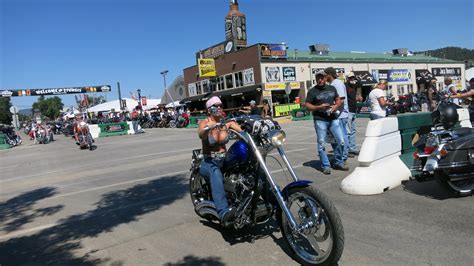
228 47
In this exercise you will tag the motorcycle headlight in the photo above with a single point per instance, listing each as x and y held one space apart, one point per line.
277 137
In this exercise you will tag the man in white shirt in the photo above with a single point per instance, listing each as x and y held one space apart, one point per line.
331 77
450 88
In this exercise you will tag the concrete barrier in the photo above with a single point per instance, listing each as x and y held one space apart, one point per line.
386 156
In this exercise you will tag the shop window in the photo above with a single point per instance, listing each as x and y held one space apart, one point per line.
239 82
213 84
400 89
221 84
229 82
410 88
205 86
198 88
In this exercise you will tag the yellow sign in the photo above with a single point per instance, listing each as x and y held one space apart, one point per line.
267 93
206 67
281 110
281 86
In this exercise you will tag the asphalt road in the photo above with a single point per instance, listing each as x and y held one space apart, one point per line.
127 202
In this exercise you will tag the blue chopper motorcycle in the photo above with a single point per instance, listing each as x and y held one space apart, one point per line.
308 220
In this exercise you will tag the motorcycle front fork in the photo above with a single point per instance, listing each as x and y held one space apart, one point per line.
276 190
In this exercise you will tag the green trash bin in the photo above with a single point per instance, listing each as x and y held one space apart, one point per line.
3 144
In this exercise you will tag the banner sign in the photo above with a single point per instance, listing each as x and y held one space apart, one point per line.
423 75
446 71
144 100
216 50
289 73
364 77
399 75
248 77
206 67
236 29
281 86
273 51
54 91
272 74
109 128
380 74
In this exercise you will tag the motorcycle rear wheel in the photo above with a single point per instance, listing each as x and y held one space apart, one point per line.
200 190
322 244
460 188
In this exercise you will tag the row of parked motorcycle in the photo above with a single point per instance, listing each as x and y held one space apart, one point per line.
165 121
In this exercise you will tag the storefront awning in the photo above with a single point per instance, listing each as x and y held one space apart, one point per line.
235 92
201 97
423 75
365 78
230 92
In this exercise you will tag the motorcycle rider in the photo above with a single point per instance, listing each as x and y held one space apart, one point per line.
78 129
214 134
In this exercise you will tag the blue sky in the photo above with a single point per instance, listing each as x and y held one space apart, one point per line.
64 43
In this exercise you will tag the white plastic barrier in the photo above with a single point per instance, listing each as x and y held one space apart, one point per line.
130 126
95 130
464 117
380 168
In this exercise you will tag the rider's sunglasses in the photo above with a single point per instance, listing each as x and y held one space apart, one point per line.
217 105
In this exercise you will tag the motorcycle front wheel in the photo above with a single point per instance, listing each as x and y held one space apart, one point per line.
322 242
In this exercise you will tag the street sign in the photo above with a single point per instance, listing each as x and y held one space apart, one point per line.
14 109
288 88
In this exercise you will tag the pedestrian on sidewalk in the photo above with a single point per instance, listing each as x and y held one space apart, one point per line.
323 100
351 126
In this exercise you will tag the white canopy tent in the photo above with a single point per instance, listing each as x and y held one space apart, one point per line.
173 104
131 103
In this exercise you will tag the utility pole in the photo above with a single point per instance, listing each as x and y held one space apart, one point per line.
119 95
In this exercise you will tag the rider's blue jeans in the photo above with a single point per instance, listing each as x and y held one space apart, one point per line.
322 128
211 167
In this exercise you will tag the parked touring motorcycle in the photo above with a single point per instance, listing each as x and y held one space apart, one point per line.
309 221
446 154
85 138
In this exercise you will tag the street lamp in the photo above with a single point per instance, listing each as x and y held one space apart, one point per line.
140 99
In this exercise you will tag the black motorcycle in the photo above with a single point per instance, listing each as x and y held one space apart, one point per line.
11 137
446 153
309 221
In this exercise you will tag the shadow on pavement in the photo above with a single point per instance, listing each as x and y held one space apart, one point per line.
250 234
193 260
58 244
429 189
316 164
18 211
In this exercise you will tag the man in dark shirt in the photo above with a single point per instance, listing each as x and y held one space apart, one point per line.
351 126
324 102
252 110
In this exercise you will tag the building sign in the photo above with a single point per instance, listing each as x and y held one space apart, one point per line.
192 89
216 50
54 91
272 74
236 29
399 75
206 67
273 50
446 71
248 77
289 73
281 86
267 93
